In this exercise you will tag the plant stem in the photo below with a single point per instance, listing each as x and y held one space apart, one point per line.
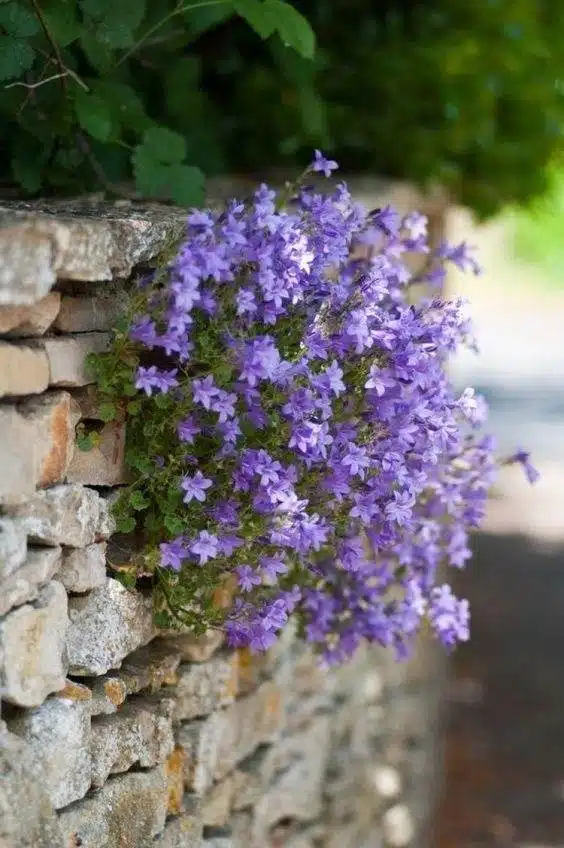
55 47
177 11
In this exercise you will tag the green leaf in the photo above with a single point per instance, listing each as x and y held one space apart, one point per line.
134 407
93 115
86 441
173 524
98 54
207 17
127 578
18 21
28 162
126 106
187 185
138 501
164 145
116 14
107 411
293 28
126 524
62 21
258 14
16 56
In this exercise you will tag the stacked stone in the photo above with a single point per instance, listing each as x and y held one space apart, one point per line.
115 735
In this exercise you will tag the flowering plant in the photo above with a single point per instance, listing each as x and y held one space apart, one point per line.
292 427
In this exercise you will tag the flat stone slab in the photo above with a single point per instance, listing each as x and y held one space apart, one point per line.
86 240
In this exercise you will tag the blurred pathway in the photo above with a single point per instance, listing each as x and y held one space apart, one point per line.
504 782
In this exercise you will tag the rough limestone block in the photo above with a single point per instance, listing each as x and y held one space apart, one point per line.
217 743
149 667
13 546
193 648
217 803
36 443
251 721
17 455
54 417
83 569
24 369
129 811
32 642
67 357
140 733
106 626
204 687
24 584
200 740
28 321
78 240
184 831
27 819
295 769
103 464
58 735
85 314
65 515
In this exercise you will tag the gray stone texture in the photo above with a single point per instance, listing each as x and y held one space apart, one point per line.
105 626
83 240
83 569
127 812
86 314
27 818
70 515
24 369
67 357
38 439
13 546
204 687
32 644
58 735
141 732
31 320
24 584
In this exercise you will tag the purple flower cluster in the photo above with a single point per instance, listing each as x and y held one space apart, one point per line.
333 469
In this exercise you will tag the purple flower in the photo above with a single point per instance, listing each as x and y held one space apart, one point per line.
173 553
204 391
356 460
247 577
152 378
205 546
194 488
523 458
400 508
323 165
224 404
348 468
450 616
272 566
187 430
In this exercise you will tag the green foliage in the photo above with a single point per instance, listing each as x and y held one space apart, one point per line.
538 230
95 93
469 95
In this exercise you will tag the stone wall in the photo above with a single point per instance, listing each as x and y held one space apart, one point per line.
114 735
